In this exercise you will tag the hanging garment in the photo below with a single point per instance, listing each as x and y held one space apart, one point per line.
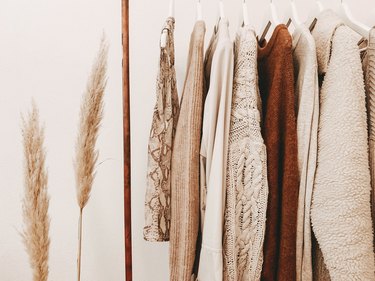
158 197
276 80
246 185
369 66
307 104
214 148
185 164
340 211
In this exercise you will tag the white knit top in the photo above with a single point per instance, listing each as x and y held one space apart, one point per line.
246 183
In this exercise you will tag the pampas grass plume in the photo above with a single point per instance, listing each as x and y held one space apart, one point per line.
36 200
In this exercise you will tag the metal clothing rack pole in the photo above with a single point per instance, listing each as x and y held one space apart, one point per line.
126 124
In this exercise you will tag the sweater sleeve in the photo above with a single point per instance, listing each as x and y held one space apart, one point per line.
220 97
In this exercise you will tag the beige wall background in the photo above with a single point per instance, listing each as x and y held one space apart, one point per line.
46 51
150 260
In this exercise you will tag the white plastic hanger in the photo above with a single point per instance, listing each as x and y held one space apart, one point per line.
271 19
221 9
317 9
245 14
347 17
292 14
164 34
199 10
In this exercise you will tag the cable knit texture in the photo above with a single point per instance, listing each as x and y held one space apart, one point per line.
246 186
340 211
185 164
307 104
164 121
214 151
276 80
370 95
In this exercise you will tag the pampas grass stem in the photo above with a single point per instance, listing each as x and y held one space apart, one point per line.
36 200
90 119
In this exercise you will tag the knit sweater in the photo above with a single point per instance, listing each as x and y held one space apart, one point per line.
276 81
185 164
164 120
246 185
340 210
214 150
370 97
307 104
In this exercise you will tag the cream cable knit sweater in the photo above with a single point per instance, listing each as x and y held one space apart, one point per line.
246 186
307 101
340 212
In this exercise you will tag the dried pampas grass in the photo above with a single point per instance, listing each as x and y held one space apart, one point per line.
36 200
90 119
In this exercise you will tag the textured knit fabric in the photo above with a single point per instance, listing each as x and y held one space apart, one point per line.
247 187
307 103
340 210
370 95
185 164
276 80
214 150
164 121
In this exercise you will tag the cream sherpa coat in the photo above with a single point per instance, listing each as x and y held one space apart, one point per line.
340 211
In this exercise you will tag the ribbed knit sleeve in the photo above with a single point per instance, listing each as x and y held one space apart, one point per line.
185 164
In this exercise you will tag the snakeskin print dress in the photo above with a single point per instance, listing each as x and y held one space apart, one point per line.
164 121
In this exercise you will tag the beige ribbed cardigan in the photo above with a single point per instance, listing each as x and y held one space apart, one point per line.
307 101
185 164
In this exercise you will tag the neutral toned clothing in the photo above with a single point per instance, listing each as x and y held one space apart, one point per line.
185 164
246 185
370 97
276 83
307 105
164 121
340 211
214 148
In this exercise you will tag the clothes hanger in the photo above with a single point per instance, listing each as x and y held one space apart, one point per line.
164 34
347 17
199 11
244 17
318 8
221 9
272 18
292 14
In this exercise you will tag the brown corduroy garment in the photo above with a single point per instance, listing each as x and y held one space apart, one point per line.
185 164
276 83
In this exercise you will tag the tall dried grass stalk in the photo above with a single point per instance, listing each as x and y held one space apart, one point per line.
36 200
90 119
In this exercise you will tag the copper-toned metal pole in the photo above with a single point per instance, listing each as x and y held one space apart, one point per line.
126 121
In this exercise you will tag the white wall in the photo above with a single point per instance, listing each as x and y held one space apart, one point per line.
46 52
150 260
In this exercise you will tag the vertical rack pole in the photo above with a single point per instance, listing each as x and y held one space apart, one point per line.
126 125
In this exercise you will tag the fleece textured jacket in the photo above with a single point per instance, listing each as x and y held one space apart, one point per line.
276 83
340 212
